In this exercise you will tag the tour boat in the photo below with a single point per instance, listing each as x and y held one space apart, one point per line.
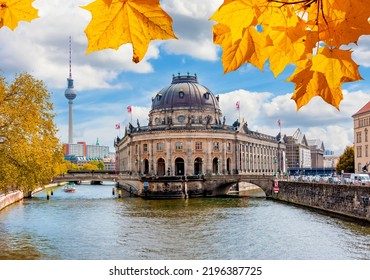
69 187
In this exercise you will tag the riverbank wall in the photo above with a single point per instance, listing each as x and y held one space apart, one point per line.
343 200
10 198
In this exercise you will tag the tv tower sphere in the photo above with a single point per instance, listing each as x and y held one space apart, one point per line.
70 92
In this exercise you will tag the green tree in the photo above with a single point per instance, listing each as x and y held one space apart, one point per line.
30 152
346 161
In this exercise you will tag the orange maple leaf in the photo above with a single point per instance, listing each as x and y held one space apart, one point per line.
127 21
323 76
13 11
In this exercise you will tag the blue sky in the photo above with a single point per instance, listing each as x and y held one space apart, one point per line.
107 81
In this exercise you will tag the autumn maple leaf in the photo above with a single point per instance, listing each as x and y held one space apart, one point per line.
323 76
13 11
290 32
127 21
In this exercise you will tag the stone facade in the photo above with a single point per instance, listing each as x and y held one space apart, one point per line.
361 125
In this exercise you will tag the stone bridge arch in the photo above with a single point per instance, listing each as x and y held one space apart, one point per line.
219 185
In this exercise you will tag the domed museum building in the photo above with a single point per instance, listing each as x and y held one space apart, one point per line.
187 136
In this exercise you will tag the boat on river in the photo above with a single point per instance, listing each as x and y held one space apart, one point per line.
69 187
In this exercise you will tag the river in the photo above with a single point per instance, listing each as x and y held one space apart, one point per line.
92 224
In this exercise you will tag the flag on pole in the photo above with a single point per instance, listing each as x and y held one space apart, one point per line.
279 124
237 105
129 109
118 126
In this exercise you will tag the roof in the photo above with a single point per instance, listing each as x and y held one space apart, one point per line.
364 109
185 92
316 144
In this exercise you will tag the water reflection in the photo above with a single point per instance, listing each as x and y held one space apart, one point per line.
93 224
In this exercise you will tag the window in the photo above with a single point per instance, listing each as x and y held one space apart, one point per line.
229 147
358 137
181 94
145 147
366 151
359 152
178 146
366 135
206 95
160 147
198 146
181 118
216 146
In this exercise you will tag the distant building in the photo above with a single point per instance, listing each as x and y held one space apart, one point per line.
328 153
298 153
306 156
317 153
330 161
361 125
82 153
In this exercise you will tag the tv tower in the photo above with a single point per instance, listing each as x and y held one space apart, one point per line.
70 94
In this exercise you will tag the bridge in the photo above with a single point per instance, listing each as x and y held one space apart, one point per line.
174 186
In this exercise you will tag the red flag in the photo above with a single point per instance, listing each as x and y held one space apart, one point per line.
237 105
129 109
279 124
118 126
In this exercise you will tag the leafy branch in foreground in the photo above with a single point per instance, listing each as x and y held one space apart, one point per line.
313 35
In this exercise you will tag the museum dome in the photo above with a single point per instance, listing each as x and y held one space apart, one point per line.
185 92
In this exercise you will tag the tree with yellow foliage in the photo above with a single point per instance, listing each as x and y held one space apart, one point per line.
312 35
30 152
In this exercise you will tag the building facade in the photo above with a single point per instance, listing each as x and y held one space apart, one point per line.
361 125
188 135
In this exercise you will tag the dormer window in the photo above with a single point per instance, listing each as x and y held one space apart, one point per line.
181 94
159 96
206 95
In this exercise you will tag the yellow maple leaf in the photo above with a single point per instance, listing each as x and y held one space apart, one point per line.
238 14
336 65
127 21
322 75
108 2
13 11
340 22
246 49
310 84
288 38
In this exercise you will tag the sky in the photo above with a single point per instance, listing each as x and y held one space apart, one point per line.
108 81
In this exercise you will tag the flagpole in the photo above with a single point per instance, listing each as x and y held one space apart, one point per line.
240 121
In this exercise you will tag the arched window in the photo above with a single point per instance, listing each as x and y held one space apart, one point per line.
179 166
161 167
146 166
198 166
216 166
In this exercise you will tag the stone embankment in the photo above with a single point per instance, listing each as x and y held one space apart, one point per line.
12 197
345 200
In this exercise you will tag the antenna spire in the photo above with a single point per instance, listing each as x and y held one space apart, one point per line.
70 58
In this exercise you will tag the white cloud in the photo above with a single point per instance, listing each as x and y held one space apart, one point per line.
361 52
191 8
317 120
42 49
